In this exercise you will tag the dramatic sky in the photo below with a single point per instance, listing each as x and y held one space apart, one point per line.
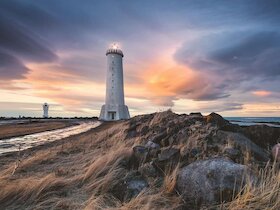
205 56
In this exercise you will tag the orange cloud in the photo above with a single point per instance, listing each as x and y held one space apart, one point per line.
166 81
262 93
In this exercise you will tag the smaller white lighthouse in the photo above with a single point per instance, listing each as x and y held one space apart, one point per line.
45 110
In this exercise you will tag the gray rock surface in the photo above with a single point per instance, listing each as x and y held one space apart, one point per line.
245 144
210 181
167 154
276 152
140 154
129 186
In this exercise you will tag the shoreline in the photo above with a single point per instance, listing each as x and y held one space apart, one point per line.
60 125
9 157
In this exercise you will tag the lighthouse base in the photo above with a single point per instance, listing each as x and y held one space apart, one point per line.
114 112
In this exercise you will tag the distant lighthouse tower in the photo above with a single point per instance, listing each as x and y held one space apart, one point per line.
114 107
45 110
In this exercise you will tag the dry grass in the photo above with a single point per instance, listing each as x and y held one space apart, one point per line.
80 172
264 195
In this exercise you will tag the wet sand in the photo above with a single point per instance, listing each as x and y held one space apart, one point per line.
16 130
90 135
32 140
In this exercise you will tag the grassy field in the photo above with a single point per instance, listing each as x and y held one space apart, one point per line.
79 172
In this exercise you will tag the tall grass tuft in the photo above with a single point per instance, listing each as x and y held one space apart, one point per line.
264 195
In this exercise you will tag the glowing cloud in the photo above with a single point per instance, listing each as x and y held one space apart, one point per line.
262 93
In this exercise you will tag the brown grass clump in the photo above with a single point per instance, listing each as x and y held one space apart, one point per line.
264 195
106 170
31 189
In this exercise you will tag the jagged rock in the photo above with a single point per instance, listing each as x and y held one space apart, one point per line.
148 170
140 154
194 152
232 153
276 152
216 119
152 145
129 186
210 181
262 135
131 131
169 153
144 130
168 157
196 114
157 138
153 148
195 117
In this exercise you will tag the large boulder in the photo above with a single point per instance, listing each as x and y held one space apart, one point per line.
216 119
242 142
211 181
262 135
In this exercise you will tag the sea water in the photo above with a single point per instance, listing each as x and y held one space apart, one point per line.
246 121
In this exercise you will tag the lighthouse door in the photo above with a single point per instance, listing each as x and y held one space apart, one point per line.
112 115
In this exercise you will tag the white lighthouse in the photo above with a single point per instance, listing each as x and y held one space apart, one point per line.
45 110
114 107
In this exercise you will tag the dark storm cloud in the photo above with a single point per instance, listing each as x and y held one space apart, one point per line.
11 67
23 43
18 42
253 55
233 58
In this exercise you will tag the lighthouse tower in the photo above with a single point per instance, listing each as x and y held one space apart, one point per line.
45 110
114 107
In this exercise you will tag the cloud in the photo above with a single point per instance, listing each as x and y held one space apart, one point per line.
262 93
11 67
165 82
254 55
14 38
250 55
229 49
229 60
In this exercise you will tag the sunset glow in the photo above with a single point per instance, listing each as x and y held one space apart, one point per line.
262 93
183 57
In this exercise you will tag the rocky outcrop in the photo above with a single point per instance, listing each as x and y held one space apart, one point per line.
262 135
217 120
211 181
243 144
210 151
